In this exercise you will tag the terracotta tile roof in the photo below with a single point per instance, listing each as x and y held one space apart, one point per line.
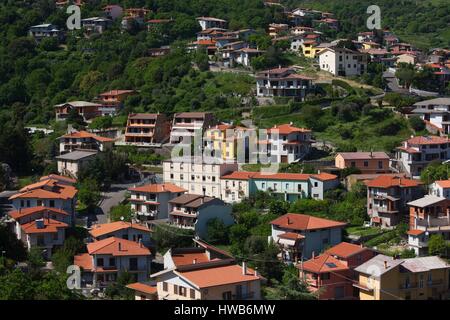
345 249
84 261
443 183
219 276
390 181
192 200
50 226
59 178
116 92
182 259
33 210
282 176
425 140
191 115
111 246
46 189
286 129
238 175
205 42
324 176
295 221
107 228
324 263
143 287
291 236
143 116
363 155
85 134
415 232
158 188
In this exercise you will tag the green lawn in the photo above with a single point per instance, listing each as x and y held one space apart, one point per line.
363 231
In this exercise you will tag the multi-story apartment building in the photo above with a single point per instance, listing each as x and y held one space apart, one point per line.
287 144
83 140
70 164
47 30
436 112
388 278
112 101
151 202
212 280
147 129
42 227
278 29
49 193
366 162
416 153
331 275
95 25
87 110
185 124
197 175
239 185
211 22
223 140
283 82
428 216
387 199
106 259
192 211
342 62
300 236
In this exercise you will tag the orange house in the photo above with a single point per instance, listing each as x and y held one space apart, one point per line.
366 162
331 275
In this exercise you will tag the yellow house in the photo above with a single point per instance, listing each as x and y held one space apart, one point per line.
386 278
370 45
217 139
310 49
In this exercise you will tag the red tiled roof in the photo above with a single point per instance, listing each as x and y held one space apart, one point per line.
85 134
107 228
324 263
291 236
30 211
428 140
182 259
324 176
50 226
142 287
415 232
158 188
238 175
59 178
84 261
282 176
443 183
53 190
116 92
219 276
111 246
390 181
345 249
363 155
286 129
295 221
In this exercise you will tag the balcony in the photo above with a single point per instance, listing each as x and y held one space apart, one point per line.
408 286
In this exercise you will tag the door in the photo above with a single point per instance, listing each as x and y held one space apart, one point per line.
339 293
284 159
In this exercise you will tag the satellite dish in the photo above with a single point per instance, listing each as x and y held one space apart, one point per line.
122 218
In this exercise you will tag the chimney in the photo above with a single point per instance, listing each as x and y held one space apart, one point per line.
244 268
288 220
194 261
385 264
120 246
256 272
313 255
140 243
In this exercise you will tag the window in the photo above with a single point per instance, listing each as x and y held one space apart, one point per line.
39 203
353 164
325 276
182 291
175 289
192 177
55 236
181 176
52 203
316 184
100 262
366 163
112 262
133 264
214 179
226 295
165 286
380 164
192 293
299 188
171 176
325 241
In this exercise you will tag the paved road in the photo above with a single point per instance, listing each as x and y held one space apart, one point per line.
393 84
115 195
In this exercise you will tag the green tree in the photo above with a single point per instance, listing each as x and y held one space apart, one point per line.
217 232
437 245
121 212
89 193
118 289
291 287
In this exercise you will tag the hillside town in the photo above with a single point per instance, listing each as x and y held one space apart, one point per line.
305 166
